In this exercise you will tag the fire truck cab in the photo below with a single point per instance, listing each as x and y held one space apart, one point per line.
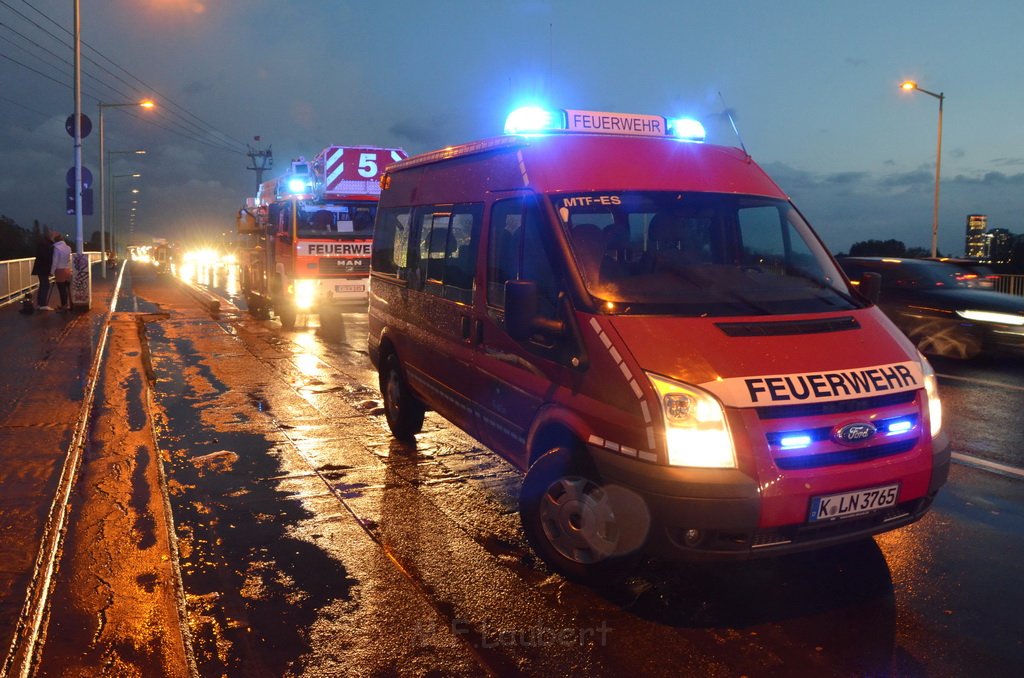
312 231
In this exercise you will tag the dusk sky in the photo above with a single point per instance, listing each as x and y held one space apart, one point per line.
814 86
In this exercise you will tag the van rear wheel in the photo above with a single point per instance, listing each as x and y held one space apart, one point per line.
403 409
573 523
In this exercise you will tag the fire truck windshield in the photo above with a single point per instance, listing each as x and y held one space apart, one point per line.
702 254
336 220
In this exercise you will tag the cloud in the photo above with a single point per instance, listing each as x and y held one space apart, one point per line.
428 134
195 87
847 207
912 179
991 180
846 178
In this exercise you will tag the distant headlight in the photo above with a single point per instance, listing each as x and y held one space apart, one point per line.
695 426
992 317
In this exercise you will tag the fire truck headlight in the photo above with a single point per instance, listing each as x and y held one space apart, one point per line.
696 431
931 389
305 294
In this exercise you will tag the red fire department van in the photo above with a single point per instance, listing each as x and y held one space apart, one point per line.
647 326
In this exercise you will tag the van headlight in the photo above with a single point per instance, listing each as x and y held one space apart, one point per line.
931 390
696 431
305 294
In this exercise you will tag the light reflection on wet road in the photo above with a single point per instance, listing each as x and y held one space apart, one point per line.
313 543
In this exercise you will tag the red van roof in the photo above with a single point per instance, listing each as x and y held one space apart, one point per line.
589 162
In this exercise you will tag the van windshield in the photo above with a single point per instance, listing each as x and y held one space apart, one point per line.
706 254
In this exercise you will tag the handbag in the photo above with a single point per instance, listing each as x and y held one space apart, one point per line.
62 275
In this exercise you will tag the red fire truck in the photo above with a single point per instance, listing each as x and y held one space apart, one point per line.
312 231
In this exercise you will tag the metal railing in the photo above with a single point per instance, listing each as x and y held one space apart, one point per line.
16 278
1011 284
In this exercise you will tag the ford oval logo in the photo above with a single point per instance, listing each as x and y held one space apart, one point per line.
854 433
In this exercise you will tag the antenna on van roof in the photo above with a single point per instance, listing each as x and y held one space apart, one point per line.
728 114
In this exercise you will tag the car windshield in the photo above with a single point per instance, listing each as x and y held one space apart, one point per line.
336 220
706 254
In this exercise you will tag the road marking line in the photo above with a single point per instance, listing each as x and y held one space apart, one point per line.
984 382
987 465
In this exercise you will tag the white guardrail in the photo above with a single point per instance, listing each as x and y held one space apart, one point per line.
16 278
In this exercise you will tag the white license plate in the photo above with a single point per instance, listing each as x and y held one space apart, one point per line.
348 288
846 504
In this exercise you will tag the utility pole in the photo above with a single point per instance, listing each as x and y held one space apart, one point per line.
259 160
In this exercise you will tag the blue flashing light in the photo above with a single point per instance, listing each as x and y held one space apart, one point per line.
297 185
687 129
533 120
899 426
795 441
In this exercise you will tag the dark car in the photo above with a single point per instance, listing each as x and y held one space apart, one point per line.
971 272
933 306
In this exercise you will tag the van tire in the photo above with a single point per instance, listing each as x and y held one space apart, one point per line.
569 519
404 411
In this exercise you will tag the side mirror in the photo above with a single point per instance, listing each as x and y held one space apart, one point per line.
871 286
522 319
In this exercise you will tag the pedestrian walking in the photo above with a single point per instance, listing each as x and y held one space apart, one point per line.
61 268
41 268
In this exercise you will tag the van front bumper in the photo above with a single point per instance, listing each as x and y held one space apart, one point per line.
714 514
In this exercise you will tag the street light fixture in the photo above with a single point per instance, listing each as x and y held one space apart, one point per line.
113 196
145 103
910 85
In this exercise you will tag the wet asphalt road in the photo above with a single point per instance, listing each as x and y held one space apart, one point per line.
312 543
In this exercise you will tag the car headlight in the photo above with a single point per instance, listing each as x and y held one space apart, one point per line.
992 317
931 390
695 426
305 294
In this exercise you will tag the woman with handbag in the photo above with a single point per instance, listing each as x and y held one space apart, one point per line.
62 271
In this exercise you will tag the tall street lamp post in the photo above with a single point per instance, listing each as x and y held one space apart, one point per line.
81 280
104 159
910 85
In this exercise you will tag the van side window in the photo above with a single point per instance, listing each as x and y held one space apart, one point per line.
517 251
391 242
446 250
460 252
432 226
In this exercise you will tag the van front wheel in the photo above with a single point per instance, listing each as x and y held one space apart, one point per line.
573 522
403 409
